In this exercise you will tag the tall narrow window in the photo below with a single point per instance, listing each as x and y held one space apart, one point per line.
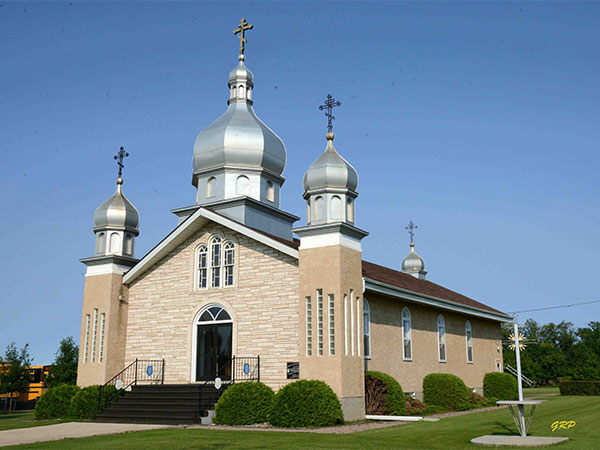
101 343
406 335
345 324
210 187
86 341
270 191
202 267
320 320
229 257
349 211
242 185
469 337
128 244
336 207
352 321
101 243
442 338
367 328
215 262
358 334
94 334
319 208
308 327
115 243
331 324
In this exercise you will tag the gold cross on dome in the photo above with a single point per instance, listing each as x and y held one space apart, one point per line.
241 29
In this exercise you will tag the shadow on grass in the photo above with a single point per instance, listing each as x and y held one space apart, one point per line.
508 430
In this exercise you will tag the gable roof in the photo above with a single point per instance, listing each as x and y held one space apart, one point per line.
378 278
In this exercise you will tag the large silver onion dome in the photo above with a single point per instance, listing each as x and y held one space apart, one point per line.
117 211
239 137
413 262
330 170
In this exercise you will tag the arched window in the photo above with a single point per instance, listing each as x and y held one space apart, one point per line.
229 260
214 314
308 216
215 261
210 187
241 91
202 264
101 243
350 210
242 185
367 328
441 338
336 207
115 243
469 337
270 191
128 244
319 208
406 335
212 344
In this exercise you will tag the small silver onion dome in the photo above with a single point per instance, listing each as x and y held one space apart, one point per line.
239 138
330 170
413 262
117 211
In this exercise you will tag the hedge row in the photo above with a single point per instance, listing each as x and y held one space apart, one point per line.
69 401
571 387
501 386
379 384
303 403
444 391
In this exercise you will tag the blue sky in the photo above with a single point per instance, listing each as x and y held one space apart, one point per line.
478 121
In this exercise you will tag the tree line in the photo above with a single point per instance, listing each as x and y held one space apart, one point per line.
557 351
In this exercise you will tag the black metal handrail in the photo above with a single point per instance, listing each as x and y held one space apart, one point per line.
242 369
139 371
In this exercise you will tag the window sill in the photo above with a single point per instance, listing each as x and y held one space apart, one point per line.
407 359
442 362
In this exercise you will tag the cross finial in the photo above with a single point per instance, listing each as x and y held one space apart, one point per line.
119 158
330 103
411 227
241 29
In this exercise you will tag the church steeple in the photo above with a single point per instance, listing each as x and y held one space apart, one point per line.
116 220
413 264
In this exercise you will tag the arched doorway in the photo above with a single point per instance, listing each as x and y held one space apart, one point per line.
213 338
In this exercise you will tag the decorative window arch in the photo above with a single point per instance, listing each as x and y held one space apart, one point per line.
210 187
366 328
242 185
319 208
406 335
128 244
336 207
441 323
270 191
469 339
350 210
213 314
115 243
202 267
101 243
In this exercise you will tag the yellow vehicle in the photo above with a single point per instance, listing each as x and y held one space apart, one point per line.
37 385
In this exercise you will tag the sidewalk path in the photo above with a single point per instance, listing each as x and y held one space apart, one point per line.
68 430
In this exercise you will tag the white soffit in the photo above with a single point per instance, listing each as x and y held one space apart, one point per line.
393 291
188 228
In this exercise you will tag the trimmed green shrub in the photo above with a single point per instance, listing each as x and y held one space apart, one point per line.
384 395
55 402
574 387
491 401
306 403
500 385
476 400
244 404
446 391
84 404
415 407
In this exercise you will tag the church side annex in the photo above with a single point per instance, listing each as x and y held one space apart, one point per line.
231 293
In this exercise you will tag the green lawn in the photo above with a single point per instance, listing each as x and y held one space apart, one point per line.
22 419
449 433
542 391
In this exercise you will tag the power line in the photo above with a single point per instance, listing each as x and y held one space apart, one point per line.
556 307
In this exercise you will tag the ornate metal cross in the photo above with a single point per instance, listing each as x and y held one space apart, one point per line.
241 29
411 226
330 103
119 158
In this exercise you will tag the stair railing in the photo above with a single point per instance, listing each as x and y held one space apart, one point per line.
140 370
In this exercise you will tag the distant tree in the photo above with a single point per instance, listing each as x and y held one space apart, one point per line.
15 375
64 368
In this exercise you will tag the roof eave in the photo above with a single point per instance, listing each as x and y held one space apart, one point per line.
405 294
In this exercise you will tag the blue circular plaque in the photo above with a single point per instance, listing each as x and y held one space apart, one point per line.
149 370
246 368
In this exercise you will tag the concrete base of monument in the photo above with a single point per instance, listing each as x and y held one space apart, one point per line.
353 408
518 441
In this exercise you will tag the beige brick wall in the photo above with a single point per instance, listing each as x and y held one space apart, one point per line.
386 344
263 302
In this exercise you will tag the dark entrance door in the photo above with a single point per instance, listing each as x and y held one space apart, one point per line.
213 356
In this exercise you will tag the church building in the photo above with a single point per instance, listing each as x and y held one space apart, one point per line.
237 291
